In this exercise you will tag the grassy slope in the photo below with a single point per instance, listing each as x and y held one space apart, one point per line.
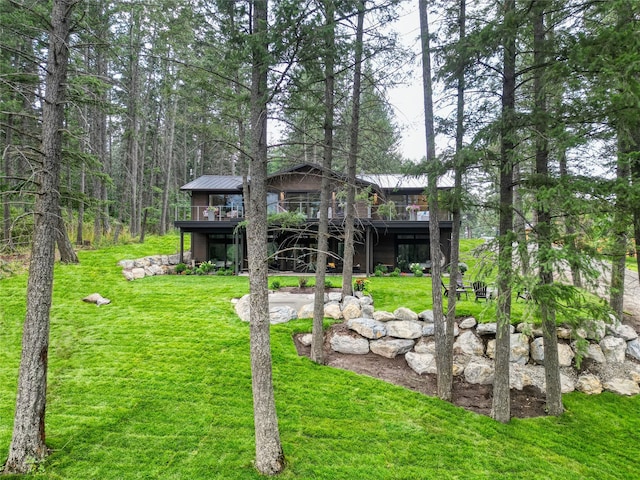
157 385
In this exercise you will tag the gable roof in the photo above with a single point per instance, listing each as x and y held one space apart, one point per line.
398 181
229 183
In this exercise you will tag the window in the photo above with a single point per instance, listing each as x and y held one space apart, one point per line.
222 249
411 248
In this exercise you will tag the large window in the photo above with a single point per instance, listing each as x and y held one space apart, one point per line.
222 249
412 248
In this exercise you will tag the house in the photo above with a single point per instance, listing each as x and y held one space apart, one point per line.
392 220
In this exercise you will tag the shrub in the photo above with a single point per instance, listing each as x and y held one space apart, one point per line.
302 282
395 273
328 284
181 268
275 285
360 285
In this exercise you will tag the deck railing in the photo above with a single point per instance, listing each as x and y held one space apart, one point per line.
310 209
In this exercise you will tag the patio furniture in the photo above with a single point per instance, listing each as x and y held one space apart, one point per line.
460 289
480 290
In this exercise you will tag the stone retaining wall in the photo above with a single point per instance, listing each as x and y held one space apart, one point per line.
610 359
152 265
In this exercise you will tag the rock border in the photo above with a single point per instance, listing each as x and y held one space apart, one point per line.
152 265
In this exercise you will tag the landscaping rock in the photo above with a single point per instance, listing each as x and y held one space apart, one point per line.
589 384
519 376
622 386
306 311
351 310
626 332
565 353
480 371
137 273
350 300
468 344
421 362
564 333
334 297
97 299
390 347
305 339
428 329
613 348
383 316
426 315
366 300
519 344
333 310
404 313
593 330
404 329
282 314
350 344
425 346
367 311
243 308
490 328
633 349
468 322
594 352
368 327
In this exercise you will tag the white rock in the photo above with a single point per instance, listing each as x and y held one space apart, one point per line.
626 332
333 310
306 311
404 313
404 329
282 314
334 297
564 333
594 352
519 376
426 315
365 300
589 384
593 330
367 311
490 328
421 362
468 322
614 349
479 371
243 308
425 346
468 344
622 386
390 347
383 316
137 273
351 344
305 339
429 329
565 353
367 327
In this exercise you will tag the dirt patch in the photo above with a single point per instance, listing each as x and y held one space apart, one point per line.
529 402
306 290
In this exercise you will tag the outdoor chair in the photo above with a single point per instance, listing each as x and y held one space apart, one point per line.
480 290
525 295
460 289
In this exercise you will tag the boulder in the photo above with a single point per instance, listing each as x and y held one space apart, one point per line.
390 347
421 362
243 308
367 311
626 332
633 349
519 376
137 273
480 371
333 310
404 329
349 343
351 310
350 300
468 344
468 322
282 314
519 344
613 348
593 330
305 339
366 300
565 353
622 386
594 352
428 329
425 346
564 333
589 384
404 313
383 316
426 315
367 327
334 297
97 299
490 328
306 311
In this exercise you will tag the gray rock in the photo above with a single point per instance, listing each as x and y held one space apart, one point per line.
626 332
137 273
428 329
519 376
404 329
403 313
565 353
519 345
468 344
390 347
126 264
468 322
426 315
306 311
622 386
425 346
383 316
366 300
334 297
594 352
282 314
243 308
351 310
421 362
350 300
480 371
613 349
592 330
367 327
305 339
490 328
349 343
633 349
564 333
367 311
589 384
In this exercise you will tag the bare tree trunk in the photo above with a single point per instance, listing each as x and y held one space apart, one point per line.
543 227
28 441
619 238
501 407
444 337
317 339
65 247
570 229
349 220
168 165
269 455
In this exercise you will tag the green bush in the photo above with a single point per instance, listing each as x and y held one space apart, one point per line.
181 268
302 282
395 273
275 285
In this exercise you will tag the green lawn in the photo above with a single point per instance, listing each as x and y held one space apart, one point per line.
157 385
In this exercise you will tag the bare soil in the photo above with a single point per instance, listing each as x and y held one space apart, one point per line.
529 402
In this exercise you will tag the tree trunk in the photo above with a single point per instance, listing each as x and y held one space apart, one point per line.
65 247
543 227
28 441
349 220
317 339
269 455
444 337
501 407
619 235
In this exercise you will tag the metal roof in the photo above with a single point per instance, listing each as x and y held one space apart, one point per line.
398 181
215 182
